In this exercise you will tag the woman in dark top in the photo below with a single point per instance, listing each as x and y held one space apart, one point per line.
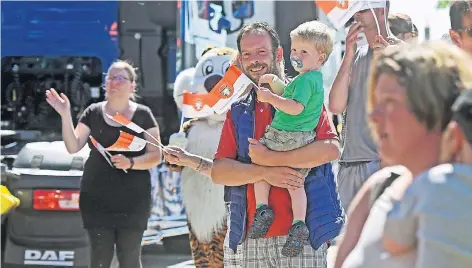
115 205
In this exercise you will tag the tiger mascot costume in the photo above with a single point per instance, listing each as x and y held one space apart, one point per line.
203 199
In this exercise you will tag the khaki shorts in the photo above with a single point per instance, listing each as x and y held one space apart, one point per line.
266 253
282 141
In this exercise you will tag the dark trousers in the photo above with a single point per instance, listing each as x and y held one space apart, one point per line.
102 247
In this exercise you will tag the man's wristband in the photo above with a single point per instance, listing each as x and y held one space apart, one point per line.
131 160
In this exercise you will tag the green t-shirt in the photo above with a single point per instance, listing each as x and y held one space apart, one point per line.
308 90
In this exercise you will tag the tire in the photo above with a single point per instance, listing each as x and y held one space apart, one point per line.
177 244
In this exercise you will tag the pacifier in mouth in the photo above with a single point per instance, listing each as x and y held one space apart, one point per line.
296 63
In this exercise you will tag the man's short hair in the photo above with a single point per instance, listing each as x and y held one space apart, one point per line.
316 32
456 13
401 24
259 28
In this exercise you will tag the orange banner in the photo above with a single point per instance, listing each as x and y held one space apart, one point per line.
127 142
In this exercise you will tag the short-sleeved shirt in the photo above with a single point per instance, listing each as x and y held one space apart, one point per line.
369 251
279 198
109 197
306 89
435 214
358 144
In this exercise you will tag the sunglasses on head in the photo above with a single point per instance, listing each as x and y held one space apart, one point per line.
466 30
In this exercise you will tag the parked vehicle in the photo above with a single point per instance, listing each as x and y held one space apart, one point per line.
46 228
69 45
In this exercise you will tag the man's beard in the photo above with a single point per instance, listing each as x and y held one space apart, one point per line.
273 69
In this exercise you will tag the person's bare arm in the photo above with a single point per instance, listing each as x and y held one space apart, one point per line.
177 156
231 172
278 87
74 138
357 215
202 165
312 155
285 105
339 90
288 106
276 84
153 156
338 95
150 159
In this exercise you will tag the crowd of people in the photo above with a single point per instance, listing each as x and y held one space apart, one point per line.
402 193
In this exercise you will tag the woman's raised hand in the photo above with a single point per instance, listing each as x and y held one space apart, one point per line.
60 103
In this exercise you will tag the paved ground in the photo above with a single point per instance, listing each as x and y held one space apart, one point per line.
157 257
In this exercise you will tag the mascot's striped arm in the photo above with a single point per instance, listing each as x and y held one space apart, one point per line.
208 254
203 199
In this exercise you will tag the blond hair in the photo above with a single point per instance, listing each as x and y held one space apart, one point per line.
433 75
128 67
318 33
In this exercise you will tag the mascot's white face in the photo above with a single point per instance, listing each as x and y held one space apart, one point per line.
209 70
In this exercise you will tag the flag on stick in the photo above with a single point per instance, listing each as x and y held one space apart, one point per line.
341 11
233 84
196 105
120 119
127 142
103 152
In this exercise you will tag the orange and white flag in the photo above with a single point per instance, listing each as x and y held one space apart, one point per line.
101 150
341 11
196 105
233 84
119 118
128 142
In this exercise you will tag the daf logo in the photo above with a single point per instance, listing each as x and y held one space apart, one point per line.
49 257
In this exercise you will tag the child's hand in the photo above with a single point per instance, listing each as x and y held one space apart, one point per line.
264 95
267 79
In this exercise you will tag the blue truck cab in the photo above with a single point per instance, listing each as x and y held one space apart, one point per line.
69 45
65 45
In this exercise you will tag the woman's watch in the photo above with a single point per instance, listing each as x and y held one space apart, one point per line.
131 160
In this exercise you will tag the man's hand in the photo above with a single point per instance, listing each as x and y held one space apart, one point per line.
264 95
257 152
352 38
381 43
283 177
177 156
